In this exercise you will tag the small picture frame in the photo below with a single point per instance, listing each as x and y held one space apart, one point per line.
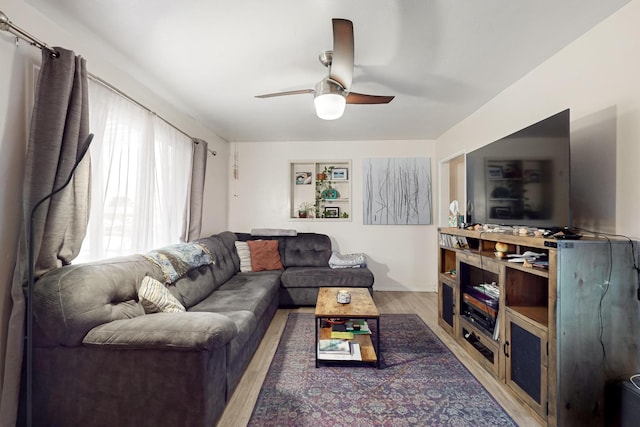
303 178
339 174
332 212
494 171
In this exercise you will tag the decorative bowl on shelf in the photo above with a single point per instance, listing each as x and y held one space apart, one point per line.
502 247
330 193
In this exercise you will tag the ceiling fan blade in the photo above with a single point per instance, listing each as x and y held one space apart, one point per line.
291 92
342 63
360 98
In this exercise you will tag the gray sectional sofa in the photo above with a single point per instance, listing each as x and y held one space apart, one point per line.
100 360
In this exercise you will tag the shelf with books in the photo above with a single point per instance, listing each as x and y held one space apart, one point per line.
363 341
357 315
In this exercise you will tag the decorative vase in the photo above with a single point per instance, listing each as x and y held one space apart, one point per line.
330 193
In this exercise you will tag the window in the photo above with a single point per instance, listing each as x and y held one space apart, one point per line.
140 171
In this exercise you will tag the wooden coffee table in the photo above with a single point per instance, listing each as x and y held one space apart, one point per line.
360 307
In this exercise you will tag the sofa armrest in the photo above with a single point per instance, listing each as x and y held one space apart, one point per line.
181 331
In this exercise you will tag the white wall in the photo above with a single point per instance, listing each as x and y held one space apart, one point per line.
16 88
598 73
402 257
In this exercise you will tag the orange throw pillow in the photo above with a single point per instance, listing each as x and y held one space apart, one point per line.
264 255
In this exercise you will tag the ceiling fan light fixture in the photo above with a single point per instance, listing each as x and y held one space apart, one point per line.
329 100
330 106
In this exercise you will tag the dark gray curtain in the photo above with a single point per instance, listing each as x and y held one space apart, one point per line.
193 217
59 126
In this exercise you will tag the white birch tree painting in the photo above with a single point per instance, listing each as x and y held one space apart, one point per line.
397 190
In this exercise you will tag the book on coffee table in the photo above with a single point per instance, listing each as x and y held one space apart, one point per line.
342 335
357 326
354 354
334 346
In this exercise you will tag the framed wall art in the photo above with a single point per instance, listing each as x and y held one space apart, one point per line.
339 174
494 171
397 191
332 212
303 178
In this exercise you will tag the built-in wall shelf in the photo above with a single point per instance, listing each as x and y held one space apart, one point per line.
320 190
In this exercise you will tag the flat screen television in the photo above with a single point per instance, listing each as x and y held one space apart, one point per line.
522 179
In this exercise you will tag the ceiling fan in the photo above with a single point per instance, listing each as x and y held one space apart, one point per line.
332 93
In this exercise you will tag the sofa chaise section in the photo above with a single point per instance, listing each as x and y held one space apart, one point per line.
306 261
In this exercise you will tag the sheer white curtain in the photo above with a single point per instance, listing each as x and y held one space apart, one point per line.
141 169
174 161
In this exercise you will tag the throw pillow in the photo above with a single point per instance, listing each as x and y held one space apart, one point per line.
245 256
155 297
265 255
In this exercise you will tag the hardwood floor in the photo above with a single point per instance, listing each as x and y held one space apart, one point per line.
425 304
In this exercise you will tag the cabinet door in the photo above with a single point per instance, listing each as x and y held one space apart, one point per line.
447 307
525 351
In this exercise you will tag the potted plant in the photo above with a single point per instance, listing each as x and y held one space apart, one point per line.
323 185
304 209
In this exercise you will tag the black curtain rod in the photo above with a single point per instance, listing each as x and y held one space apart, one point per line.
19 33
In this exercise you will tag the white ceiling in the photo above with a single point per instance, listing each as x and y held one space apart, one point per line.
442 59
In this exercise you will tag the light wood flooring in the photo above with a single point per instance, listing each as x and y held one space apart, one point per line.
425 304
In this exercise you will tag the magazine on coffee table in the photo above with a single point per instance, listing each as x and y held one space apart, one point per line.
352 354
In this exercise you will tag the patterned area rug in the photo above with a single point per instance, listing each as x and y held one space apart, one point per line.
421 383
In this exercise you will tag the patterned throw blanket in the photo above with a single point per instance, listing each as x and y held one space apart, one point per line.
176 260
347 261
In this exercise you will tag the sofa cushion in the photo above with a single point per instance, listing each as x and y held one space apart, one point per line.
264 255
194 286
70 301
226 260
243 292
192 331
307 250
315 277
156 298
303 250
228 239
282 241
242 248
